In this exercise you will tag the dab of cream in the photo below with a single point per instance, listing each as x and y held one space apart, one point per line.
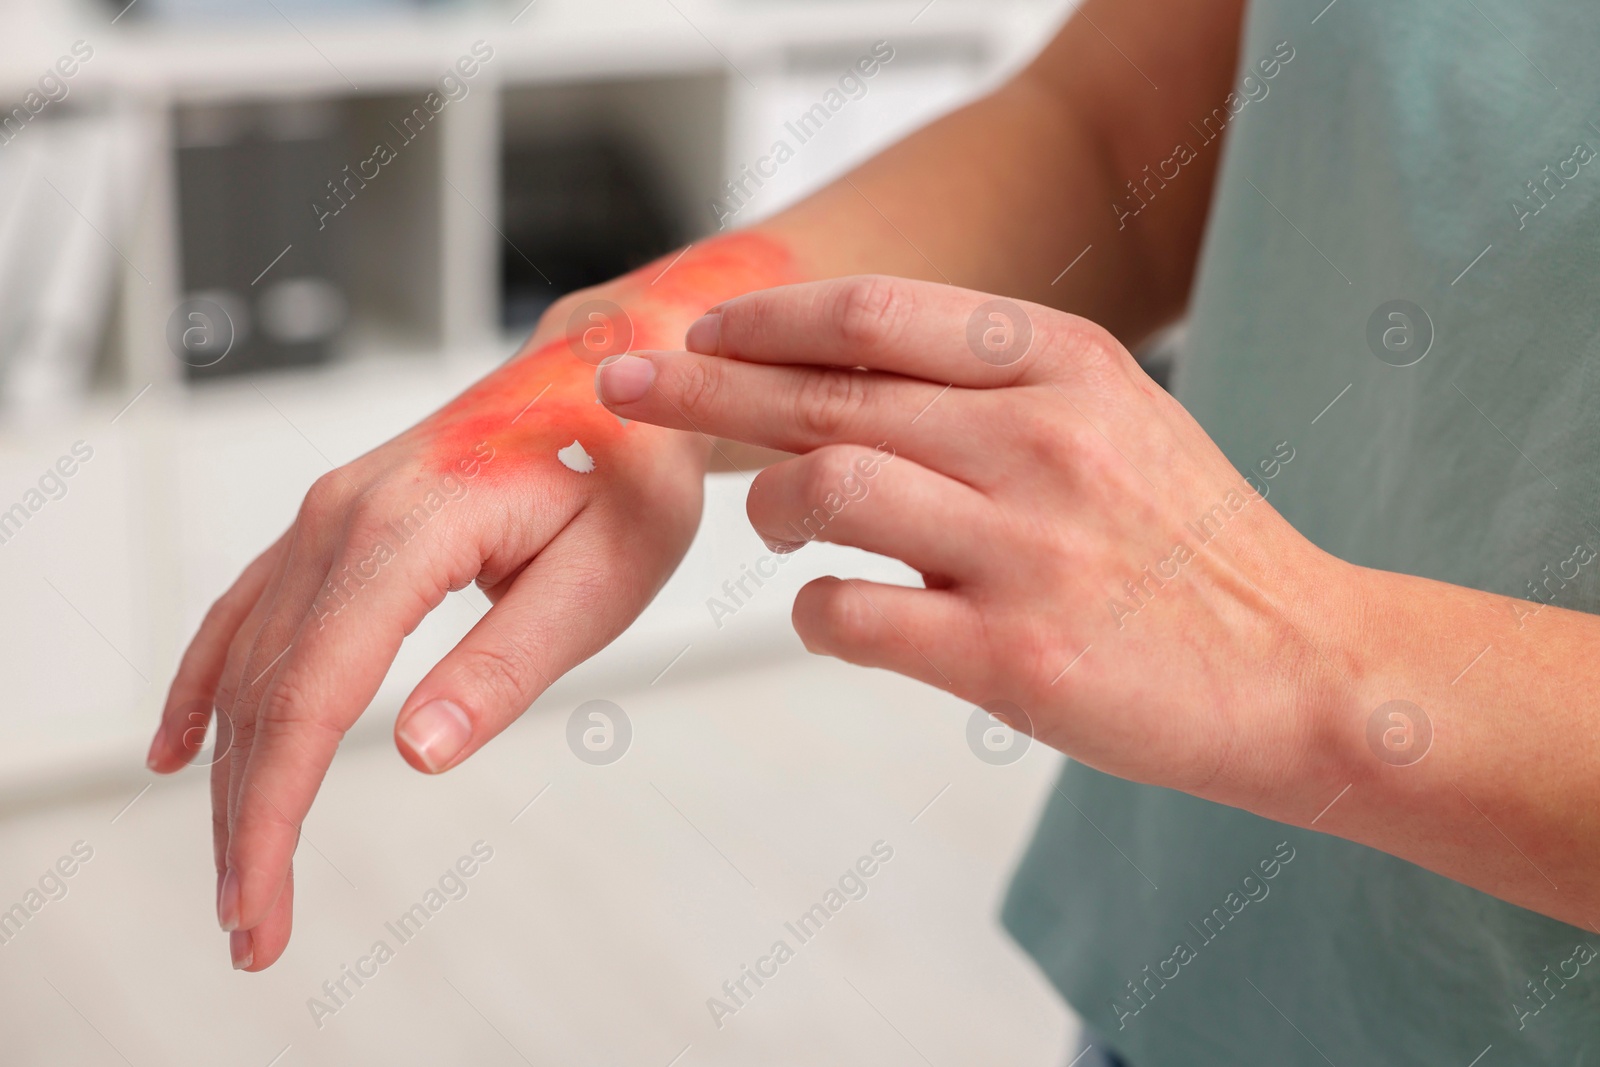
574 458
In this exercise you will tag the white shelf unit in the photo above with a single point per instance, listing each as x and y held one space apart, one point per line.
696 88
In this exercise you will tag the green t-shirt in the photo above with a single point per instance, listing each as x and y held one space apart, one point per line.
1445 153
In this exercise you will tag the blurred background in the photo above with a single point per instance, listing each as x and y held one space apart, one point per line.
213 288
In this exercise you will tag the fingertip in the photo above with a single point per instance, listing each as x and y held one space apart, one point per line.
181 733
252 914
705 334
269 939
241 948
153 758
624 379
247 898
254 950
163 757
803 616
432 736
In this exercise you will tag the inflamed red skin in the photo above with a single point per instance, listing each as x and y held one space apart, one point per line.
568 542
543 400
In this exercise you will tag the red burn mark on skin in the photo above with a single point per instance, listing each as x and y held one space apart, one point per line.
543 400
526 411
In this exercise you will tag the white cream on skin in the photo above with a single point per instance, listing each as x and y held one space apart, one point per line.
574 458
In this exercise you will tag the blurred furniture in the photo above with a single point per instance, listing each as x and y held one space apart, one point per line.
597 136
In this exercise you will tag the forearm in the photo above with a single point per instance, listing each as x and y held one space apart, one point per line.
1004 195
1000 196
1493 782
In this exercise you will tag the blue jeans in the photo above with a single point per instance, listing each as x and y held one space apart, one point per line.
1094 1052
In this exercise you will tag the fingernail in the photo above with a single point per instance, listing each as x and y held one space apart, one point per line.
155 747
705 334
784 548
242 948
624 379
228 901
438 731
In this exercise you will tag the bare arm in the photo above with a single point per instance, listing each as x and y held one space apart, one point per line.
1494 692
1444 725
1003 195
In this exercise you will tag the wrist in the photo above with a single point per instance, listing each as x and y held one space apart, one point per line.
652 306
1308 746
1392 685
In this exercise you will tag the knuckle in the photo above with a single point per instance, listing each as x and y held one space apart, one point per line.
824 475
699 385
587 583
1090 350
835 615
1044 438
283 705
1071 447
368 517
326 497
287 713
225 695
257 812
1052 447
1054 431
499 675
827 402
869 311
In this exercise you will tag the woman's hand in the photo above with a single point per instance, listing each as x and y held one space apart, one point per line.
568 519
1095 569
